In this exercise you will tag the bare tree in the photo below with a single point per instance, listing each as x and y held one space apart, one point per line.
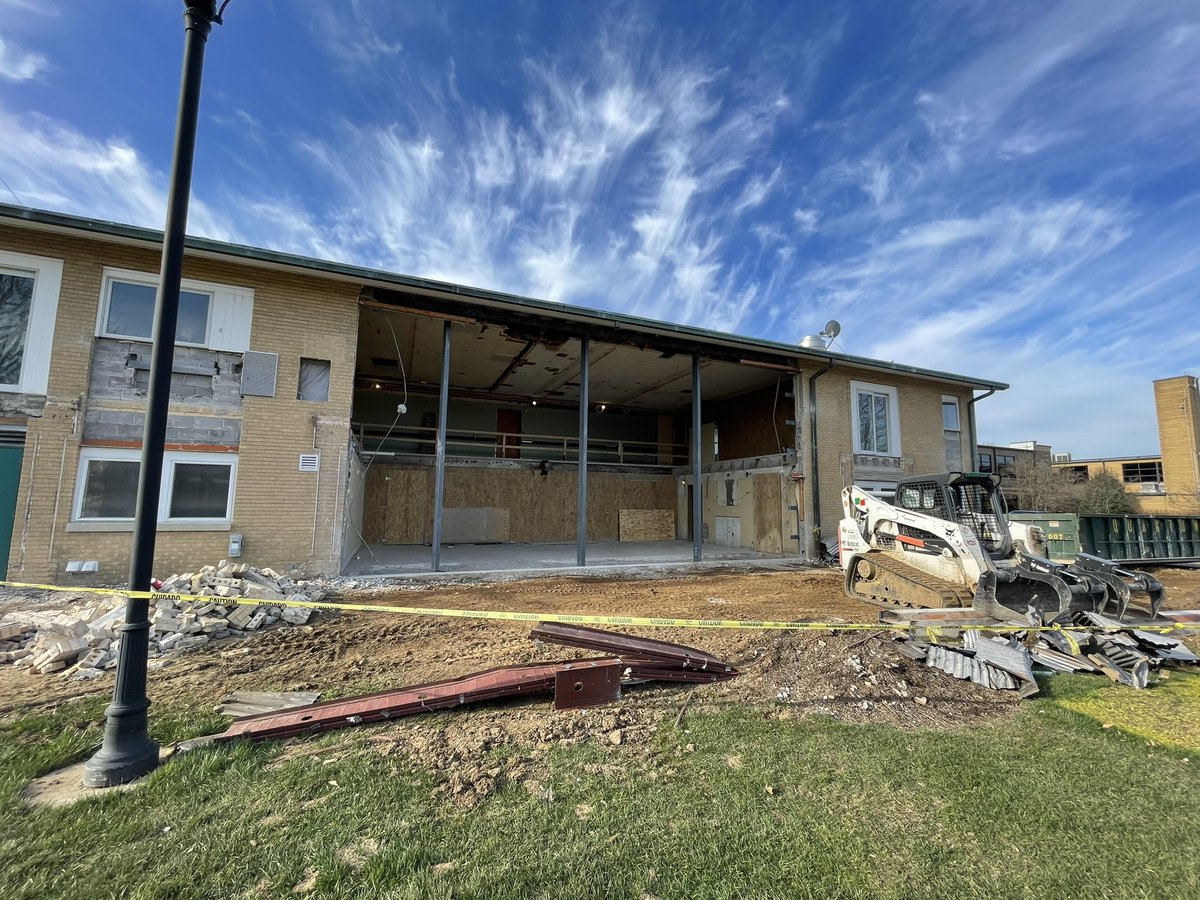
1105 495
1041 487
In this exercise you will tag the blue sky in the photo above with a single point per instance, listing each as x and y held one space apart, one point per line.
1010 190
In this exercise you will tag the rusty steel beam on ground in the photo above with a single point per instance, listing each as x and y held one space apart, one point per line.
628 646
592 682
506 681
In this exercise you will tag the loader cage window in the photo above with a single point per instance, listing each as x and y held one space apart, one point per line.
923 496
975 511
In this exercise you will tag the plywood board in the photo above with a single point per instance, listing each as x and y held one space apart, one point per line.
768 513
646 525
475 525
540 507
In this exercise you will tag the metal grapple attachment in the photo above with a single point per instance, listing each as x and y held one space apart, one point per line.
1121 584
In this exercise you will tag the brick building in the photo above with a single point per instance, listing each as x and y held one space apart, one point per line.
1166 483
306 418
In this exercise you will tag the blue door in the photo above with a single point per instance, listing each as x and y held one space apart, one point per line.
10 480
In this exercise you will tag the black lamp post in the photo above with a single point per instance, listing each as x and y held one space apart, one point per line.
128 751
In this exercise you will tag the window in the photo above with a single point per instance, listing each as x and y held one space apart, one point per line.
314 380
29 288
950 414
985 462
16 302
110 489
875 419
730 492
1005 462
215 316
1141 472
1076 474
130 312
952 434
197 488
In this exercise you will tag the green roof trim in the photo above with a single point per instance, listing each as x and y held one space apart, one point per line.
115 230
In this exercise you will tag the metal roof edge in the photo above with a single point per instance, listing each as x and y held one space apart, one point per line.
47 219
1104 459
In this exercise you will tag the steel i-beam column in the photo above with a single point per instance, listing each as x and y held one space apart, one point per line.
581 525
697 484
439 484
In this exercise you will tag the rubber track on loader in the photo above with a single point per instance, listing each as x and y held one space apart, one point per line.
950 595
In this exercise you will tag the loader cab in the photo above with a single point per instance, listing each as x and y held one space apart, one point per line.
971 499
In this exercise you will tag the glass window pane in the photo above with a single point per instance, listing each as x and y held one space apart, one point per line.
881 424
130 309
16 299
131 312
314 380
110 489
200 491
866 436
192 326
950 415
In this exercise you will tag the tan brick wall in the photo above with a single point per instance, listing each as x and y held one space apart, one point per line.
1177 402
274 502
922 442
1171 503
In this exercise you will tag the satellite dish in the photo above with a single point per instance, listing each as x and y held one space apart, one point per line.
832 329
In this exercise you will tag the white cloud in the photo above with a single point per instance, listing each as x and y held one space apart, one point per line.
757 190
17 64
807 220
53 166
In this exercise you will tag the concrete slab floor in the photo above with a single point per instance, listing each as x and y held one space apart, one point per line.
413 559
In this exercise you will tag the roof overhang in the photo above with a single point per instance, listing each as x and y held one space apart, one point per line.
452 298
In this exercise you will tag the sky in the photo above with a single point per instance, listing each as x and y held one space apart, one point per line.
1005 190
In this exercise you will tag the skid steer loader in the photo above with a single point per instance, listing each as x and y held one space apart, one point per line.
946 542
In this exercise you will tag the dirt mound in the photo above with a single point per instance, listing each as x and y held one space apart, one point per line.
848 675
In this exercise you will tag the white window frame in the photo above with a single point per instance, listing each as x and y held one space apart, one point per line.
952 400
947 398
43 313
151 280
171 458
856 387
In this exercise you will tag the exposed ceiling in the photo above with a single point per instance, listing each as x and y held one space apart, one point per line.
492 360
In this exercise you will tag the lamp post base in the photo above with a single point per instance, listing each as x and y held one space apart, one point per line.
127 753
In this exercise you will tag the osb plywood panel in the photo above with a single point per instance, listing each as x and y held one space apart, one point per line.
398 505
399 501
475 525
768 514
646 524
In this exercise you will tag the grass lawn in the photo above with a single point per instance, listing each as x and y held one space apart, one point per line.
1048 804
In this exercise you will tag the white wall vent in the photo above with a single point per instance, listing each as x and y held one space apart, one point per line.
310 462
259 371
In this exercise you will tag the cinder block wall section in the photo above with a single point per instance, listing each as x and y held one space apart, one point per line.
1177 401
274 502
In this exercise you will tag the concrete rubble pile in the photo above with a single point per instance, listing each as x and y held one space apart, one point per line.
81 641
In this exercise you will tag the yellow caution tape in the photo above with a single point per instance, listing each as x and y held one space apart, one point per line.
1070 639
567 619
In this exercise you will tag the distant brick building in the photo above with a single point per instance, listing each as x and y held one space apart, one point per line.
1166 483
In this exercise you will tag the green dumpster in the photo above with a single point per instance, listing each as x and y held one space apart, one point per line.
1062 532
